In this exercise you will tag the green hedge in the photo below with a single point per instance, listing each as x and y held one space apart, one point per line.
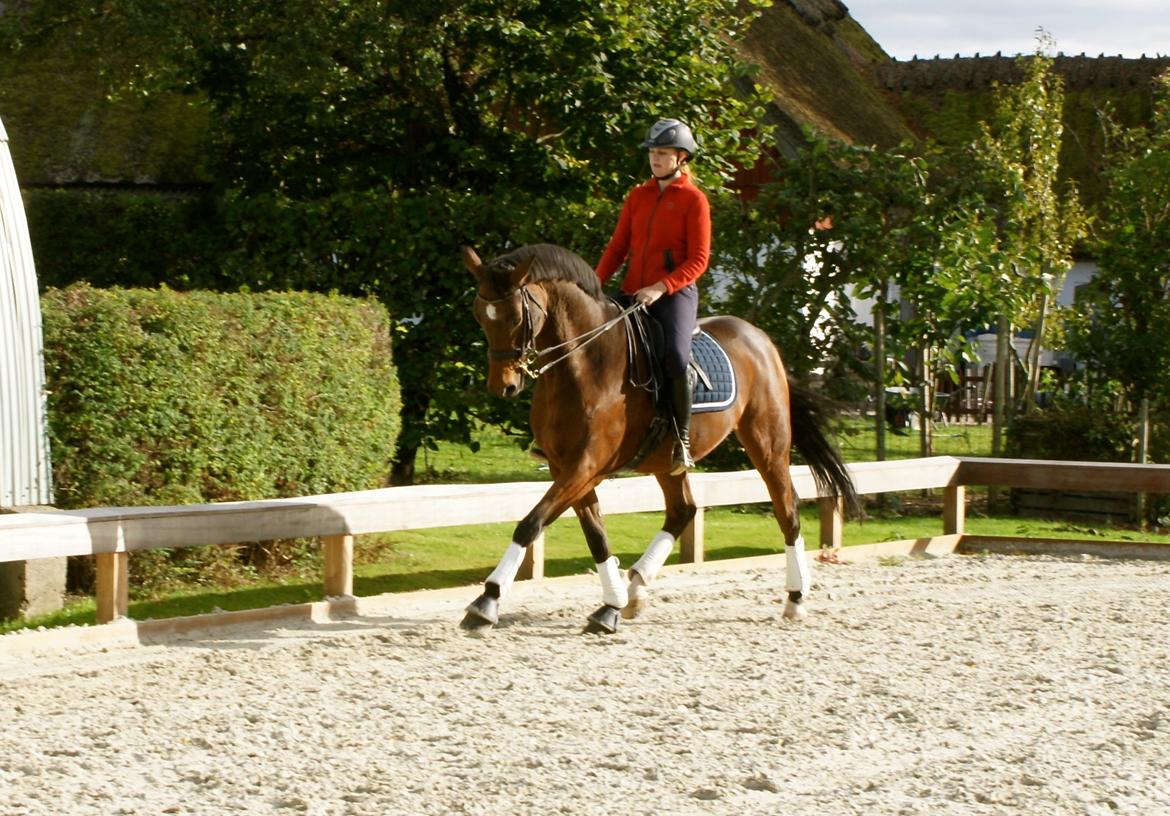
160 397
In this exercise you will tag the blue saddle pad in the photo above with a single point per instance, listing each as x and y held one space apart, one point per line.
712 360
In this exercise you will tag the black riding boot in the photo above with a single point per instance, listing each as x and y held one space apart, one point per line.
680 400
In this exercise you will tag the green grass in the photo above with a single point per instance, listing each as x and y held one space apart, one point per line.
501 459
462 555
856 439
452 556
498 459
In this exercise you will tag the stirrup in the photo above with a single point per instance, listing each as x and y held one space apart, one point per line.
680 459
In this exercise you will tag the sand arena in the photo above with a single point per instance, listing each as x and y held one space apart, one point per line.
951 685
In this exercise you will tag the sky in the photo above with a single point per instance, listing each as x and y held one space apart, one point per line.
904 28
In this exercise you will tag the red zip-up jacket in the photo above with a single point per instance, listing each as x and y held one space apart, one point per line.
666 237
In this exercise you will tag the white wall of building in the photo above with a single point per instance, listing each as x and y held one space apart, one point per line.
24 441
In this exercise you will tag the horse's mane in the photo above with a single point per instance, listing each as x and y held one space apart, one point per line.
549 262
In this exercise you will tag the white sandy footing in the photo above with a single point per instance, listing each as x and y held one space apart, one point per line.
955 685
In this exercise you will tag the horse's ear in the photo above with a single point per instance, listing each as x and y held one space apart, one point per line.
472 262
519 276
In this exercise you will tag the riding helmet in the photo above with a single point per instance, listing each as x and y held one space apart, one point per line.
671 133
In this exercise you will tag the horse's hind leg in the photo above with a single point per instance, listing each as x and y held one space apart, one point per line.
770 453
613 588
680 511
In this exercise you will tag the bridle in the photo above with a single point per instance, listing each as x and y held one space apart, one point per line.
527 354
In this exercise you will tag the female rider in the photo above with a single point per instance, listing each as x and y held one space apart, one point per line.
664 232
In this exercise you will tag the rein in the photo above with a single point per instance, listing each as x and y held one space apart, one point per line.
530 356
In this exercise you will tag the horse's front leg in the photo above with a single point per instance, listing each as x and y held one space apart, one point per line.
613 587
484 611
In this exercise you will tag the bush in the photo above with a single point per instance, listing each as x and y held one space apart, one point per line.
1071 431
1077 431
1158 504
158 397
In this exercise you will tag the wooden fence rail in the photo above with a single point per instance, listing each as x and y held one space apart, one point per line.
112 533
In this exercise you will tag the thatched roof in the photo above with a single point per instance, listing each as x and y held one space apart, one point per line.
818 62
65 130
948 98
978 73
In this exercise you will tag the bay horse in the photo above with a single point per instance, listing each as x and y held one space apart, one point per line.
544 303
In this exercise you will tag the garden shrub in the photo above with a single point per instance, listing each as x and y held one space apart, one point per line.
1073 430
1158 504
159 397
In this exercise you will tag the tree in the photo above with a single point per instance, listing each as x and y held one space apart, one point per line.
1038 217
1121 326
359 148
846 220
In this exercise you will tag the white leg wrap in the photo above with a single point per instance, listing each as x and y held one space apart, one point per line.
796 575
505 572
613 585
655 556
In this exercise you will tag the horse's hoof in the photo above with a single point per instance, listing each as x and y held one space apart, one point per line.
482 613
639 601
794 611
604 621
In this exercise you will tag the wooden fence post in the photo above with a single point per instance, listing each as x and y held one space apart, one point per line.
532 567
338 565
690 543
113 586
954 509
832 521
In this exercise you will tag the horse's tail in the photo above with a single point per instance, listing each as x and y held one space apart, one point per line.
810 435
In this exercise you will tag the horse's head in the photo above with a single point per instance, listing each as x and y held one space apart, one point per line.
510 316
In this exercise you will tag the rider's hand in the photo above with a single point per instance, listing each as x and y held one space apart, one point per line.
648 294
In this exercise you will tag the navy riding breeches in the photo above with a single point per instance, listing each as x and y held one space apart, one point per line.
679 316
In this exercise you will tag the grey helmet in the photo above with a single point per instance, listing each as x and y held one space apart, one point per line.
671 133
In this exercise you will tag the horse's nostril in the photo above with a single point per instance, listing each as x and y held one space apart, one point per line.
510 390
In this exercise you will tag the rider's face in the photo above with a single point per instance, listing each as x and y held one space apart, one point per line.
665 160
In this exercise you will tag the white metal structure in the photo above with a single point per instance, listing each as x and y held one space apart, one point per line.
24 441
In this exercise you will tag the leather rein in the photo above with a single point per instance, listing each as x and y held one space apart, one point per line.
529 356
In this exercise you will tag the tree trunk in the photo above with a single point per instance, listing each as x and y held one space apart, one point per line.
1002 396
1143 455
879 371
414 414
1034 349
925 424
402 468
1002 387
